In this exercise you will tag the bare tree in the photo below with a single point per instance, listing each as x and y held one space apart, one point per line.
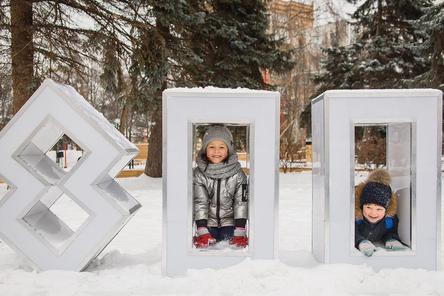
293 22
55 38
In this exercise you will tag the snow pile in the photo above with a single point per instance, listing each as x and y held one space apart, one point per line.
131 264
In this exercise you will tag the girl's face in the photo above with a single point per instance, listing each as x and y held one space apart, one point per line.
373 213
217 151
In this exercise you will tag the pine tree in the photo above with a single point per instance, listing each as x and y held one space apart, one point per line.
161 43
388 56
431 25
220 43
231 46
386 51
157 60
338 68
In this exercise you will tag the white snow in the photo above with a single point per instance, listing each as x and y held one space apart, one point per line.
131 264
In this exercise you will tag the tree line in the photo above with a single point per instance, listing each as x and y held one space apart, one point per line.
397 44
121 54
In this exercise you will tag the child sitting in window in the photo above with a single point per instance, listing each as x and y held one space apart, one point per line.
375 214
220 191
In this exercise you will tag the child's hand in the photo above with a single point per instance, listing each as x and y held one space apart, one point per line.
394 245
367 248
240 238
203 238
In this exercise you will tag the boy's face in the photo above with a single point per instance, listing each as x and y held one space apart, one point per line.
373 213
217 151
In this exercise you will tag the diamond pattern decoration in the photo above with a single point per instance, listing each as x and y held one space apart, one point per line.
59 218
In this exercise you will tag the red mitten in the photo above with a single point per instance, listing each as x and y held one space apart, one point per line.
203 238
240 238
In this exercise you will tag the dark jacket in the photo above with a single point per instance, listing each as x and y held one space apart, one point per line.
219 202
381 231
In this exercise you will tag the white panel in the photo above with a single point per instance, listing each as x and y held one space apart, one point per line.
182 108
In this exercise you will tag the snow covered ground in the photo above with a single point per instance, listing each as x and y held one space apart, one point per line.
131 264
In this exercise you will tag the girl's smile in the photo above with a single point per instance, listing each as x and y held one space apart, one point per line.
217 151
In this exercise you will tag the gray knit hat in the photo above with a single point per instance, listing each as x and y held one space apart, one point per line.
218 132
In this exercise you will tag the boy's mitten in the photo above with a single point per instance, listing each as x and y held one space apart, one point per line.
395 245
240 238
203 238
367 248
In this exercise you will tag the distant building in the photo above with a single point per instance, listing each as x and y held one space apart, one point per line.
294 22
288 18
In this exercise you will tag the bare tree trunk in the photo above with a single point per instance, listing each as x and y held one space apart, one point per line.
437 67
153 167
22 51
124 118
130 127
379 22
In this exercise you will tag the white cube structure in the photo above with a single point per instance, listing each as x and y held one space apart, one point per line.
27 223
183 108
413 119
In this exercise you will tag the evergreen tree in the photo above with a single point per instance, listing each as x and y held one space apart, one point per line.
431 25
157 59
386 51
338 64
231 46
161 43
389 53
199 43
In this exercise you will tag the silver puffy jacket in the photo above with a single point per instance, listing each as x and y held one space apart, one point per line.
220 201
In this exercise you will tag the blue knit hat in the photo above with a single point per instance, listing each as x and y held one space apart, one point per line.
376 193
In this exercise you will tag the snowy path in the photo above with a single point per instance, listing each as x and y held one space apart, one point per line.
130 265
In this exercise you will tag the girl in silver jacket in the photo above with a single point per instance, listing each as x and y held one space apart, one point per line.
220 191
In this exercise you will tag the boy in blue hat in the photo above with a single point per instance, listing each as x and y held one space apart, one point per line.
376 220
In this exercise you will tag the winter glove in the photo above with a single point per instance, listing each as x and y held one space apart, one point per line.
394 245
203 238
367 248
240 238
